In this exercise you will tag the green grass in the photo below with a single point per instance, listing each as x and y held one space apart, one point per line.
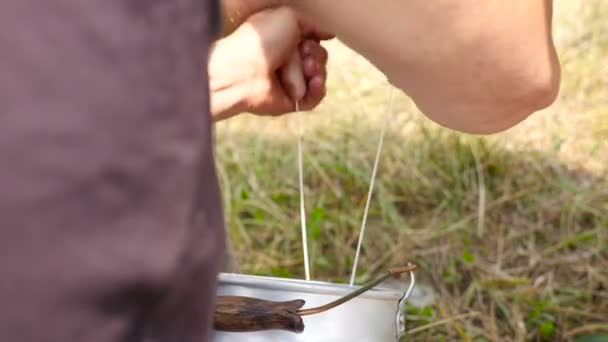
528 264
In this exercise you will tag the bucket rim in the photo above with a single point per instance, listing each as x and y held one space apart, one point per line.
304 286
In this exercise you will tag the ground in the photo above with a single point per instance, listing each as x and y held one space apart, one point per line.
511 230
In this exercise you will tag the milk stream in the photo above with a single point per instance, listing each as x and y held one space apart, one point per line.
301 185
386 118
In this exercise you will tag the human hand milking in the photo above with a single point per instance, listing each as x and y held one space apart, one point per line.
280 61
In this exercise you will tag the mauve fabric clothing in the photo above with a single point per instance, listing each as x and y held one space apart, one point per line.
111 225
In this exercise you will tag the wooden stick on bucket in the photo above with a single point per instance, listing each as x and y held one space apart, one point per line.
246 314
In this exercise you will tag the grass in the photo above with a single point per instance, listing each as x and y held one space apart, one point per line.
511 231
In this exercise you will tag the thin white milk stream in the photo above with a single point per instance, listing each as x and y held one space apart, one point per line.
369 195
371 184
402 302
302 206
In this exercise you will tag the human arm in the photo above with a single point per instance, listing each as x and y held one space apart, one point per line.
473 66
236 12
253 68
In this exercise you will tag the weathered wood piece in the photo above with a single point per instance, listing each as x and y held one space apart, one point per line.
245 314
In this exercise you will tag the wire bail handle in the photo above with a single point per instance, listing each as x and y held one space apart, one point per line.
400 324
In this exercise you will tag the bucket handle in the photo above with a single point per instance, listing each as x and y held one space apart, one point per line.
402 306
246 314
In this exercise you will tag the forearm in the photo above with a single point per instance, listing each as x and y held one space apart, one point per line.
235 12
473 66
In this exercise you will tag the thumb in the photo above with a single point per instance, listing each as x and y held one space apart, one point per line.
292 77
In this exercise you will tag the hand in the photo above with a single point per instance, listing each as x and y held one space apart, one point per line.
245 68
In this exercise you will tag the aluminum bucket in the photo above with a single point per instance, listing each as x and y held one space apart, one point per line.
375 316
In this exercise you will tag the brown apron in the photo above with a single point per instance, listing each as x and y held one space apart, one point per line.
110 216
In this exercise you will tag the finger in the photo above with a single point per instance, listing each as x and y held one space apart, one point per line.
310 67
316 92
306 47
314 49
315 59
293 78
